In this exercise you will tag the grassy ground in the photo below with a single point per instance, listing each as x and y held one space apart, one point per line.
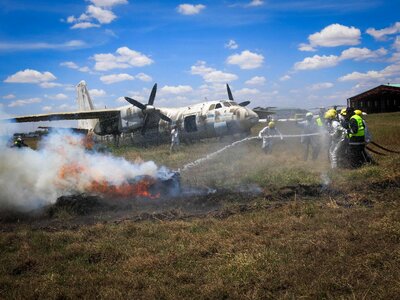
339 244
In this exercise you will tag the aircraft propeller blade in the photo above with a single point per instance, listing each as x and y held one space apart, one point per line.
145 122
153 94
135 103
244 103
164 117
228 89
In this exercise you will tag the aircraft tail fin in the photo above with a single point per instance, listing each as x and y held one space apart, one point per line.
84 104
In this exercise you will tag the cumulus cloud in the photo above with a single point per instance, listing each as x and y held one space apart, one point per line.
332 36
256 80
124 58
24 102
144 77
97 93
59 96
246 92
113 78
9 96
381 34
285 77
99 12
384 74
190 9
72 65
176 90
231 45
210 74
30 76
321 86
246 60
320 62
256 3
47 108
108 3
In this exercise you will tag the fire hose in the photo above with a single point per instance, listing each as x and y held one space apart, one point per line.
374 151
383 148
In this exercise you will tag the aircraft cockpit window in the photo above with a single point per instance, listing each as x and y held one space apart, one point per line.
218 105
227 104
212 106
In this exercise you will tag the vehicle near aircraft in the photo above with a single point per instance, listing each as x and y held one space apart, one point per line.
202 120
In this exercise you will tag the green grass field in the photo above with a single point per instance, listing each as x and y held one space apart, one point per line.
290 241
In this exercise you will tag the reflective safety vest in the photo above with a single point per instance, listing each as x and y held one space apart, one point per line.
319 122
360 124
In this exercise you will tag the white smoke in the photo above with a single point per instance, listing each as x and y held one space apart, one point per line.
30 179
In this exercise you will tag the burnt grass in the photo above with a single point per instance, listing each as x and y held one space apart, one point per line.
271 234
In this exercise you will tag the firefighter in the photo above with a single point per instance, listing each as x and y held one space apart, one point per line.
368 137
268 134
356 136
311 130
174 139
19 143
338 135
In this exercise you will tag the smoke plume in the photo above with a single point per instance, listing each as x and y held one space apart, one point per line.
30 179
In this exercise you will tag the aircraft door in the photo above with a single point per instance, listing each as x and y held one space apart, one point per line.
190 123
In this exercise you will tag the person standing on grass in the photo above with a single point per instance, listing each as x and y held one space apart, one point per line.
174 139
268 134
310 127
356 135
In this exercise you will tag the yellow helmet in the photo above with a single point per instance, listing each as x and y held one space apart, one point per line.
343 112
358 112
330 114
271 124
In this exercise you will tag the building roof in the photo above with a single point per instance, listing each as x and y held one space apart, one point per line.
384 88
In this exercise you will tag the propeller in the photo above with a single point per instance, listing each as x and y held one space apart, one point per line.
148 109
230 97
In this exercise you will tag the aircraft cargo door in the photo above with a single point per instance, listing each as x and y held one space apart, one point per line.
190 123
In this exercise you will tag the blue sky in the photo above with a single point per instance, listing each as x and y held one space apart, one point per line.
274 53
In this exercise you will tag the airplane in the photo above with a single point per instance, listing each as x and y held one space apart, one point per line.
202 120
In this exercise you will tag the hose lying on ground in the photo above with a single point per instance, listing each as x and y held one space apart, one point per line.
374 151
383 148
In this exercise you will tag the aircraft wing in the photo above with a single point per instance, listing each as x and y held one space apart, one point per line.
77 115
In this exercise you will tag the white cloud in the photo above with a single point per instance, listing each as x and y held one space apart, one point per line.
24 102
97 93
69 64
317 62
9 96
84 69
396 43
246 92
256 80
108 3
48 85
59 96
47 108
176 90
332 36
382 33
30 76
125 58
190 9
99 12
384 74
84 25
210 74
362 53
103 16
321 86
144 77
246 60
285 77
113 78
256 3
42 45
231 45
